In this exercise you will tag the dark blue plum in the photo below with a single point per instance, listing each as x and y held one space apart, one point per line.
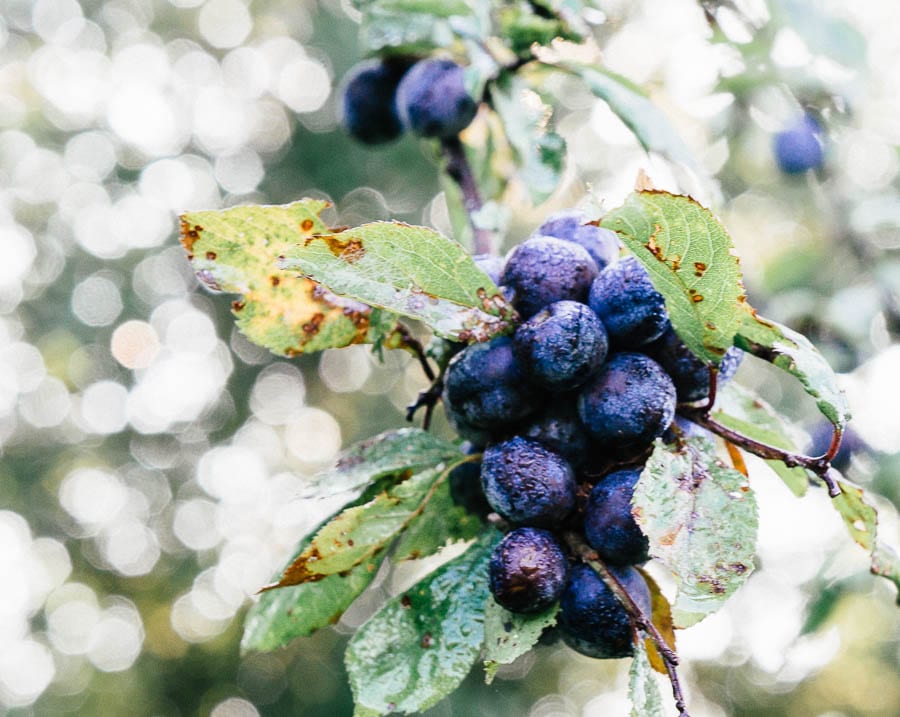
561 346
368 110
569 224
542 270
799 147
633 312
592 620
528 484
486 387
628 404
851 443
528 570
465 484
432 99
558 428
689 374
609 526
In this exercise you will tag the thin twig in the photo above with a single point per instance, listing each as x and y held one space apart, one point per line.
428 398
415 347
460 171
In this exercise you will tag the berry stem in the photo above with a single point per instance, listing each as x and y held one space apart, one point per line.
460 171
414 346
640 620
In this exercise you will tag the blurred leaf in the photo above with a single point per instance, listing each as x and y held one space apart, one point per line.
388 453
792 352
642 688
886 563
236 250
281 615
822 33
661 615
859 517
742 410
421 644
521 27
539 153
509 635
417 26
691 260
414 271
440 523
649 125
700 517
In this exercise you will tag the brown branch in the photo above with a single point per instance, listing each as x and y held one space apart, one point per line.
414 346
639 618
428 398
460 171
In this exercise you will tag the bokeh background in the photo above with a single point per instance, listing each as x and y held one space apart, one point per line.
152 457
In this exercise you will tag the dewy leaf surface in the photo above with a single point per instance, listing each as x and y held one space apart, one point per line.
413 271
690 259
701 520
642 688
792 352
236 250
742 410
422 643
509 635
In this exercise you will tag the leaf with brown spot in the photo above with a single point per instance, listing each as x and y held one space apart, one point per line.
236 250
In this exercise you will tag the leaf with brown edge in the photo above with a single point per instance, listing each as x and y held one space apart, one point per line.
661 615
236 250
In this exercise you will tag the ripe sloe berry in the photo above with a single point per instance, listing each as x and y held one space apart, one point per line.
432 99
559 429
527 484
527 570
632 311
628 404
799 147
592 620
569 224
561 346
368 110
609 526
542 270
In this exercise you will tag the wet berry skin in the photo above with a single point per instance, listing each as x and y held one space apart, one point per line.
628 404
486 387
561 346
432 99
528 484
528 570
609 526
368 111
569 224
798 148
689 374
592 620
558 428
542 270
633 312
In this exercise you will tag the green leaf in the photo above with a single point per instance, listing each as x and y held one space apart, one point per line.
700 517
741 410
886 563
539 153
389 453
413 271
642 688
691 262
646 121
281 615
417 26
661 616
509 635
236 250
421 644
792 352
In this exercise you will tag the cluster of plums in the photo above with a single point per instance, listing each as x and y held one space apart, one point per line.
565 411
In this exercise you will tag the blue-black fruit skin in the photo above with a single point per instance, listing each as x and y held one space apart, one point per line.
569 224
592 620
542 270
689 374
628 404
561 346
799 148
558 428
528 570
851 443
486 387
528 484
465 483
633 312
432 99
368 109
609 526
